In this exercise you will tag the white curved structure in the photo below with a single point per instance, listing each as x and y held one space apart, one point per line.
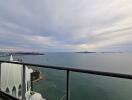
33 96
11 79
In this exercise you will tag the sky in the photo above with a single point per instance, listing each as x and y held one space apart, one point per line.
66 25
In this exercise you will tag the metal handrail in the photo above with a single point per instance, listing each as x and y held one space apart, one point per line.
70 69
101 73
6 96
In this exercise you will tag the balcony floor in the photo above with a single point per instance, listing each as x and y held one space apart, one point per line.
1 98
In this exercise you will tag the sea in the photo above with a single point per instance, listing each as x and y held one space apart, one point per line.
82 86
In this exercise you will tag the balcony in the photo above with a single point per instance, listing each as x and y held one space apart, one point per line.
19 92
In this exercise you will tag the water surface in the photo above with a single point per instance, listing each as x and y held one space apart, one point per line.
83 86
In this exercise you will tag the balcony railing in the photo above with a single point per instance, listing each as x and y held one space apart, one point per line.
68 71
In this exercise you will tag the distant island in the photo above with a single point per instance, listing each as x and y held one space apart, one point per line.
97 52
86 52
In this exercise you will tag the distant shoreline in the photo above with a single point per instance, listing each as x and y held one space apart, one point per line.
97 52
86 52
4 54
29 53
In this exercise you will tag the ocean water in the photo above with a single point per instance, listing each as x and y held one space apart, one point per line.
83 86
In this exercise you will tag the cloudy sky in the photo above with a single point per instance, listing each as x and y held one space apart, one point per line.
66 25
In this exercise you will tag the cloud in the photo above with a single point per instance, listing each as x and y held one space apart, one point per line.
66 25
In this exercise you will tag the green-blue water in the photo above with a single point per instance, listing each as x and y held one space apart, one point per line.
84 86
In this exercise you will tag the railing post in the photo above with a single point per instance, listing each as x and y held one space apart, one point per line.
23 82
31 82
0 75
67 85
